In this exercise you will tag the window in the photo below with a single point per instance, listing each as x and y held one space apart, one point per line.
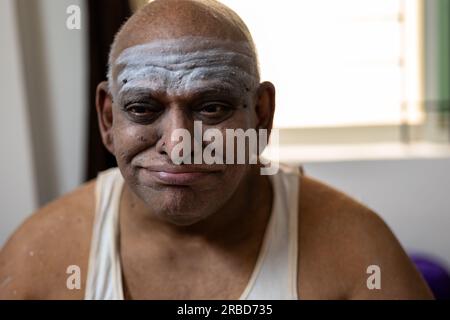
339 63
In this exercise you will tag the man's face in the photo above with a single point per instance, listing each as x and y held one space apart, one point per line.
166 85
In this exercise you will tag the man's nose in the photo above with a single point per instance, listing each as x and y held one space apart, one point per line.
174 119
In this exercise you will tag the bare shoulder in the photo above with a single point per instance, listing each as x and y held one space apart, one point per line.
340 240
34 261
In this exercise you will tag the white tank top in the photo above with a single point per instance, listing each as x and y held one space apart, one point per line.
273 278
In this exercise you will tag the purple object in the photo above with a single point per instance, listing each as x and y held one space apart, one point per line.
435 274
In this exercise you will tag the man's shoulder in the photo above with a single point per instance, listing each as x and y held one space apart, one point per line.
334 229
323 205
339 239
35 258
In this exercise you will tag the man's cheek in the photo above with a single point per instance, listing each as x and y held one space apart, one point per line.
129 140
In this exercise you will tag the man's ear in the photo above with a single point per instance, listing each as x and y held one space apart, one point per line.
265 105
104 105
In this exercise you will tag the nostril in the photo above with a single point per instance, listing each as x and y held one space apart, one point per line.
162 149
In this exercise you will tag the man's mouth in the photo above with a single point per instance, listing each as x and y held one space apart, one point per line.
177 175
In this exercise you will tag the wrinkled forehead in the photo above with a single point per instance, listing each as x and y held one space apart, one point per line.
184 64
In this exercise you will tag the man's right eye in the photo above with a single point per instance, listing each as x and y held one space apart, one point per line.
142 112
139 109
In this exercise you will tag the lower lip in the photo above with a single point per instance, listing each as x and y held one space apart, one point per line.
180 178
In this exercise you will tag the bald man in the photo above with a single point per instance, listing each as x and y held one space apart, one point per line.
153 229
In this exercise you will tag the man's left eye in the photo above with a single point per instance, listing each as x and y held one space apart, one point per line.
213 109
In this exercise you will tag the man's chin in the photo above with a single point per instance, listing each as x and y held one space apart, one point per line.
183 220
180 209
180 218
181 206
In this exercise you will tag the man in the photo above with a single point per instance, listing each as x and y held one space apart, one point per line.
159 230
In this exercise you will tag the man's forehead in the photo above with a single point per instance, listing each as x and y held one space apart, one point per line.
180 63
172 50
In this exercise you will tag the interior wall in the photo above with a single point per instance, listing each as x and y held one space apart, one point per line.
56 75
43 114
18 189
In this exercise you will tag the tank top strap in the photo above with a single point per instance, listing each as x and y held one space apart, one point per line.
104 277
275 274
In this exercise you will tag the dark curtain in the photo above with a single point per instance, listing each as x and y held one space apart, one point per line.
105 19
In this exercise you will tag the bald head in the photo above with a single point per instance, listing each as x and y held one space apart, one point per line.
180 19
173 65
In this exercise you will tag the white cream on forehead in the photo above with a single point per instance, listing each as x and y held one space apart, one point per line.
179 65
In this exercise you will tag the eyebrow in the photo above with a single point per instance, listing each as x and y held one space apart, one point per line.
134 94
215 90
223 90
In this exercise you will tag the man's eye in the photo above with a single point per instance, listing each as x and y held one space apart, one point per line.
214 109
142 112
139 109
214 112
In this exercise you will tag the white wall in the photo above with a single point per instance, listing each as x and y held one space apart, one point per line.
18 185
43 78
55 60
412 196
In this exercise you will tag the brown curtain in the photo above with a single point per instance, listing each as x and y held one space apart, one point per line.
105 19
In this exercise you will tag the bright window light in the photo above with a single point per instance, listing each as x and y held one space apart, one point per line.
339 63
